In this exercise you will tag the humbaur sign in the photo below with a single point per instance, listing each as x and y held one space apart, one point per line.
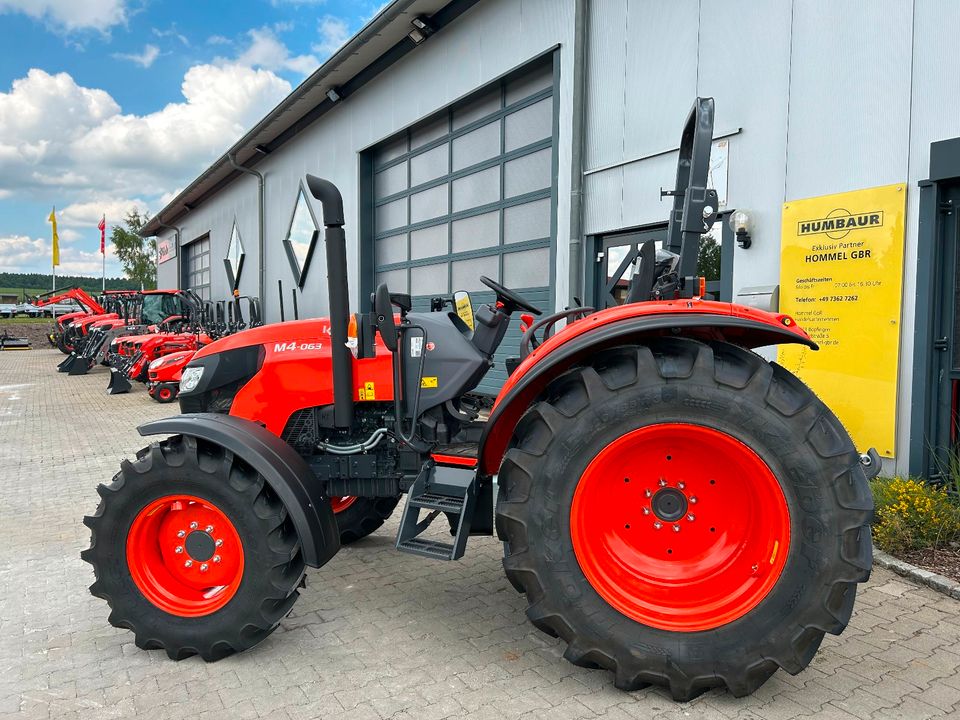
840 279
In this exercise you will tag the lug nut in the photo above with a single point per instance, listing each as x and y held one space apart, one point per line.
216 558
755 568
676 528
693 500
681 485
646 511
178 549
219 543
691 517
204 567
662 483
188 563
209 528
657 526
648 493
194 525
181 533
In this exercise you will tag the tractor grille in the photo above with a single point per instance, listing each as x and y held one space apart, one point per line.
301 431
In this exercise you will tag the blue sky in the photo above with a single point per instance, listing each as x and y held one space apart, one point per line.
107 105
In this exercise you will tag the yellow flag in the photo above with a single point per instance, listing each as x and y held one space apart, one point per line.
56 238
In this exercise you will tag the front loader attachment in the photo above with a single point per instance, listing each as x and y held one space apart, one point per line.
79 365
64 365
119 383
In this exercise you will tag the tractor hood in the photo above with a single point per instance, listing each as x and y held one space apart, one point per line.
294 331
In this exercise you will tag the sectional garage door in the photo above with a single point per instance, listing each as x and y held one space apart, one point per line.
196 267
470 193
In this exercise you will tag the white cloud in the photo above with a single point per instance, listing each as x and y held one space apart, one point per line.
171 32
218 40
144 59
71 15
334 32
21 253
267 51
88 213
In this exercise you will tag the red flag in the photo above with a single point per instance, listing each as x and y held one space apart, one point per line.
102 227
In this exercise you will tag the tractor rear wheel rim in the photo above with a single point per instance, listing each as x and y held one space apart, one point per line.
339 504
185 555
682 572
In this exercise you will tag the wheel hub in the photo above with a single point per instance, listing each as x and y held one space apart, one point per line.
669 504
200 545
680 527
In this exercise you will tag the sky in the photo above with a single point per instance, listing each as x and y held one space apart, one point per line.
111 105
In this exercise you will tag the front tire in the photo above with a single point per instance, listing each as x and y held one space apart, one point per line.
762 506
193 551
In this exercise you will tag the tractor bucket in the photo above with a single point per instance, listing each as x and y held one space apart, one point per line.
79 366
64 364
118 383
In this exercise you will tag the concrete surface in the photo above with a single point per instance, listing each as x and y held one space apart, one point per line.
376 634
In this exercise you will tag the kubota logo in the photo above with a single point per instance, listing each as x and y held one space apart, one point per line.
839 223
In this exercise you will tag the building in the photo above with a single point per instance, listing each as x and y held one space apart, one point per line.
528 140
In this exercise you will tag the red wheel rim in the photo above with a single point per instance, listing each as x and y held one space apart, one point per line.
165 393
184 555
339 504
680 527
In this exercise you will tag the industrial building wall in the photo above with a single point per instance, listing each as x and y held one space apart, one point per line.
829 97
489 40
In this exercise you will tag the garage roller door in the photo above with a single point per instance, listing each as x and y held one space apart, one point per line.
469 193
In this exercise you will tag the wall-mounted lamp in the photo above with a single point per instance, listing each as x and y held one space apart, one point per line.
332 95
422 29
740 222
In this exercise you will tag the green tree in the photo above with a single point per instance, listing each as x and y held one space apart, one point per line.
708 259
137 255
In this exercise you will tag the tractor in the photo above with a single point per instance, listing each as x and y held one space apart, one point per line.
675 508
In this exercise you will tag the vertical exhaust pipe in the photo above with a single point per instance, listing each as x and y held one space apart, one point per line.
336 241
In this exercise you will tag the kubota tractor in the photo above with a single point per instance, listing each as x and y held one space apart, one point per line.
90 306
677 509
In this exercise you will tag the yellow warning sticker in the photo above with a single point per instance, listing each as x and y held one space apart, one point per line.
370 391
428 381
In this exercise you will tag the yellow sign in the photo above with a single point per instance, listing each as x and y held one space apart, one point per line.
371 391
840 278
428 381
464 308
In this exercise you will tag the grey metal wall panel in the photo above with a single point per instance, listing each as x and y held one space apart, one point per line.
606 83
935 115
745 65
849 95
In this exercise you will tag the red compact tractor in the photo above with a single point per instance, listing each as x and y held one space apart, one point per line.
60 337
677 509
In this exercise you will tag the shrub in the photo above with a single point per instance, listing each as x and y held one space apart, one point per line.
912 515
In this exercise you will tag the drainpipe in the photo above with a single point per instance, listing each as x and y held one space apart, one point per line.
177 262
263 251
577 267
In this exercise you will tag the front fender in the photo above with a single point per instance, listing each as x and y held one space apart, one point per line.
283 469
698 319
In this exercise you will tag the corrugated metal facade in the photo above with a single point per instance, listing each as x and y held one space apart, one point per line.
827 97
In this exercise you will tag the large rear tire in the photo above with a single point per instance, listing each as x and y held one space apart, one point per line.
193 551
685 515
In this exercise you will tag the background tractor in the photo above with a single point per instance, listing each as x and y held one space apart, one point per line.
677 509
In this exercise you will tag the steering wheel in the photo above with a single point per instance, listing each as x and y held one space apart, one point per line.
511 300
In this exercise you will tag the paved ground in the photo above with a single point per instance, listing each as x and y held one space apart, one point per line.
376 634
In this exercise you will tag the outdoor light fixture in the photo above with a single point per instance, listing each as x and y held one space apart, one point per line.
333 95
422 29
740 222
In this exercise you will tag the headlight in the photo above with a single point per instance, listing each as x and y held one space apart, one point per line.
157 363
190 378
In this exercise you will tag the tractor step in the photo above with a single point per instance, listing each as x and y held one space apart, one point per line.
438 489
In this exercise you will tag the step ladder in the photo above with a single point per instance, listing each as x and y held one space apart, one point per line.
438 489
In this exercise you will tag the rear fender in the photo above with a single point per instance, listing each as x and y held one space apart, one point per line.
701 320
283 469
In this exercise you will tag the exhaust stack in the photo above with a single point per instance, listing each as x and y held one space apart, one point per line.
335 239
